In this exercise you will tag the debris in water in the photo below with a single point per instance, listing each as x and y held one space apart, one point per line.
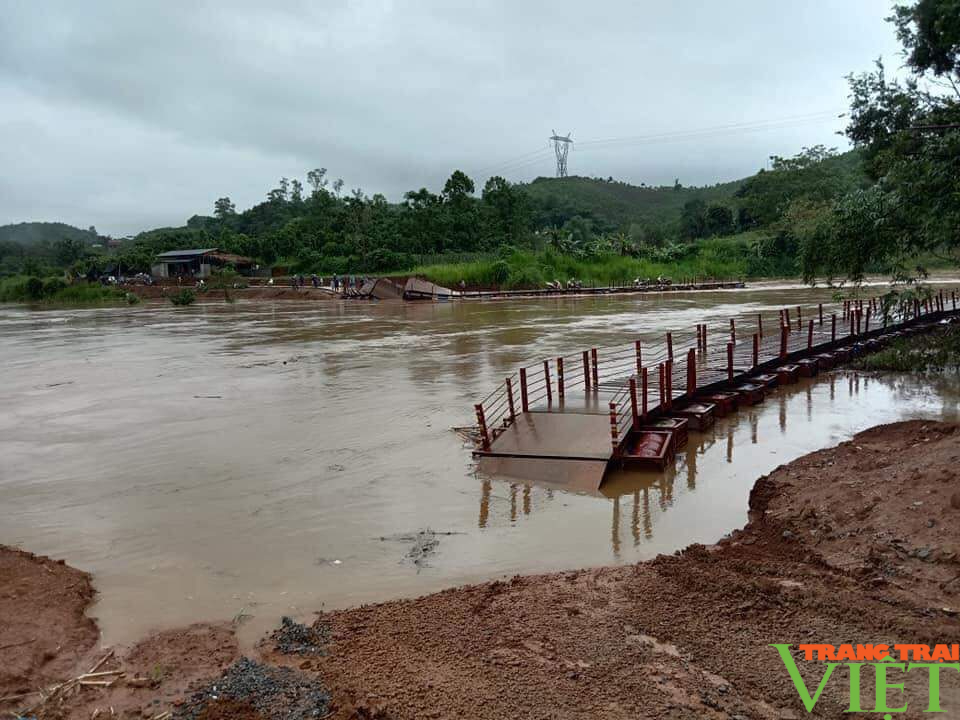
469 433
293 638
424 544
277 693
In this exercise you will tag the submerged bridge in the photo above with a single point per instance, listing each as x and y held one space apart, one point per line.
565 420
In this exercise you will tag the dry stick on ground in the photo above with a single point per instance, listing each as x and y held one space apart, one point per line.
8 698
90 679
17 644
102 661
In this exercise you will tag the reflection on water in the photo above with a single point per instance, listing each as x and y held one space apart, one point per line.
207 460
815 410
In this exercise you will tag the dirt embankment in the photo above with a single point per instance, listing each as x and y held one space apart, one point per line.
853 544
43 630
254 292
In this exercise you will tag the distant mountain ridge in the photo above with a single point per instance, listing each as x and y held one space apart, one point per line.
34 233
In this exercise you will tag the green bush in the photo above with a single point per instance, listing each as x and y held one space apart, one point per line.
183 298
33 288
51 286
499 272
12 289
54 291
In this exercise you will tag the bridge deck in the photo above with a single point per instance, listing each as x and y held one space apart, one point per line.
567 434
560 424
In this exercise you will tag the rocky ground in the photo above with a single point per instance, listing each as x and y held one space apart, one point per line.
853 544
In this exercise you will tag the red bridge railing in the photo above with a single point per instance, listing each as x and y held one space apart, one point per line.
642 379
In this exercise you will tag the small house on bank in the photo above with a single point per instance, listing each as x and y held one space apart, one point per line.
199 263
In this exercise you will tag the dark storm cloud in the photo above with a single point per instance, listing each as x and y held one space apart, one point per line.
133 114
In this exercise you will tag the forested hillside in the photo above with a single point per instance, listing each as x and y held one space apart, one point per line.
503 234
35 233
616 205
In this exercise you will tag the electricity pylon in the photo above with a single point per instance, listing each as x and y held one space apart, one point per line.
561 145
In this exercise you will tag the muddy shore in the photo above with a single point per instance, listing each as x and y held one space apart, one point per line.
857 543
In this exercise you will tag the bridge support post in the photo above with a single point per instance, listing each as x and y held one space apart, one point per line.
833 327
820 312
482 422
699 339
730 361
639 356
783 341
634 408
866 327
586 370
756 349
560 380
614 432
691 372
760 324
546 380
810 335
513 412
669 373
669 346
643 390
596 369
524 404
859 318
662 385
733 331
799 319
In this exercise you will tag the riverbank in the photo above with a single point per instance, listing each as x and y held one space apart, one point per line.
857 543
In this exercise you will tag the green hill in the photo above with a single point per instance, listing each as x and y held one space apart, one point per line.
612 204
35 233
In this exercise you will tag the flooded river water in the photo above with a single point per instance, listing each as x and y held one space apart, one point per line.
270 459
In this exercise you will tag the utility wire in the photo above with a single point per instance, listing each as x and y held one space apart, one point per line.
536 156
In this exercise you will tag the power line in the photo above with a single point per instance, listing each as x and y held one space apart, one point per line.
522 161
534 157
735 127
505 163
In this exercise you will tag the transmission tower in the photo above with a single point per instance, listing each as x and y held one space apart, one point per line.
561 145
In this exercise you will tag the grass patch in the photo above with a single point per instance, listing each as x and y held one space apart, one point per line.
937 351
524 269
54 291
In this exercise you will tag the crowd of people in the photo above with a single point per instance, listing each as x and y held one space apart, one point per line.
337 283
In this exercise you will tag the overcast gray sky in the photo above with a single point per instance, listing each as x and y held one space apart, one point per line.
130 114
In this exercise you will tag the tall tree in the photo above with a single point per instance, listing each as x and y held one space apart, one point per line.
317 179
910 135
296 191
457 187
67 251
224 208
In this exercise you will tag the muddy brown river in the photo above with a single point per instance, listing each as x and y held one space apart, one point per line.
262 459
